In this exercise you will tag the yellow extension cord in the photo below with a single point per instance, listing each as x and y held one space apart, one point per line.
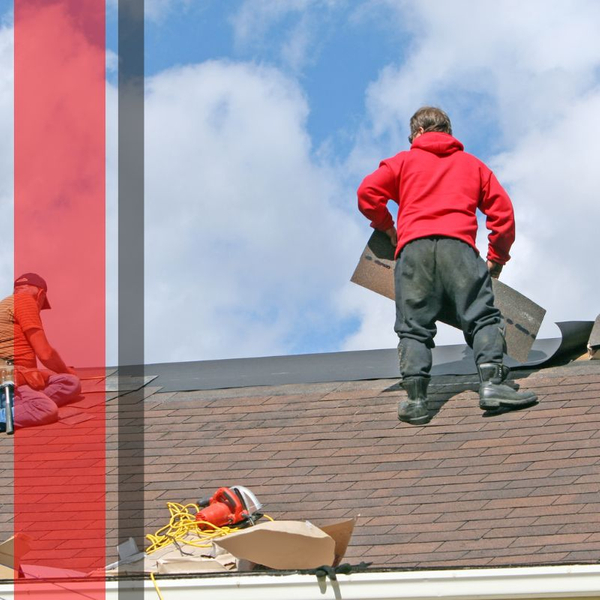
156 586
181 523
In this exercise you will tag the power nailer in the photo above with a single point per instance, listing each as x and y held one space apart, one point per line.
235 505
7 397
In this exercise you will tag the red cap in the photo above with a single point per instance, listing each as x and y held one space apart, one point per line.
35 280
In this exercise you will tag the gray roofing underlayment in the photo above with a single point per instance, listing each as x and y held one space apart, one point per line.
344 366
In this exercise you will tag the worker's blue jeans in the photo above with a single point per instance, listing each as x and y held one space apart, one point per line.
444 279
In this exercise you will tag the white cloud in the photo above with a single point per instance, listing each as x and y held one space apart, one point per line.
527 76
245 250
377 316
112 61
294 27
530 62
553 175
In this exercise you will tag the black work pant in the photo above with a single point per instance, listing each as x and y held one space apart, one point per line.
444 279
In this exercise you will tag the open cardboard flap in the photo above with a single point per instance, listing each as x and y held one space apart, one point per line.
341 532
189 564
522 316
290 545
15 546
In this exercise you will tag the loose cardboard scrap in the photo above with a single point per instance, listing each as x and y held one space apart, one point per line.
282 545
7 573
522 316
11 552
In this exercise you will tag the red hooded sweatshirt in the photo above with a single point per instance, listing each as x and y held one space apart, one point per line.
439 188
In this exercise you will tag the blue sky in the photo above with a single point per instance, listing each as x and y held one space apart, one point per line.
350 43
344 59
262 117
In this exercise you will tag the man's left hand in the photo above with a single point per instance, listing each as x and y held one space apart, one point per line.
494 268
391 233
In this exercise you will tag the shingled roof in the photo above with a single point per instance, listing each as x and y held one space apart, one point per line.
467 489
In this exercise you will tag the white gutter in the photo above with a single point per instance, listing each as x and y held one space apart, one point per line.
578 581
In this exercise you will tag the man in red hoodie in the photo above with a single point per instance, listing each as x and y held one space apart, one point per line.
439 273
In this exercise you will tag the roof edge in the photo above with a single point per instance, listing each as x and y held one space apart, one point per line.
574 581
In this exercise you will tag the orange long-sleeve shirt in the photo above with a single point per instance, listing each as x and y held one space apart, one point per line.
18 313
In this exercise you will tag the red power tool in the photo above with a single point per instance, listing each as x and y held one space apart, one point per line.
228 506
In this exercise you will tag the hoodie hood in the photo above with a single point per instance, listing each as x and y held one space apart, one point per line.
438 143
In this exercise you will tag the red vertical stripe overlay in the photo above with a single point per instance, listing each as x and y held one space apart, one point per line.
59 233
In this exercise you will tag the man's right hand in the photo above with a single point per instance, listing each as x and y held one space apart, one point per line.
494 268
391 233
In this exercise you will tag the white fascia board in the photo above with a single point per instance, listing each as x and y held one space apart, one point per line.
579 581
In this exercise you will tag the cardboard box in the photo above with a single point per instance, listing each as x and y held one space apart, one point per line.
283 545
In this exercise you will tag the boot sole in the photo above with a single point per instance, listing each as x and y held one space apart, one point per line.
415 420
496 404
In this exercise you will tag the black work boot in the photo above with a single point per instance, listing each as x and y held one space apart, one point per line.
414 409
493 394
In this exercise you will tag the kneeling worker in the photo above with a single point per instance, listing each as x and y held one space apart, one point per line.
38 393
438 270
